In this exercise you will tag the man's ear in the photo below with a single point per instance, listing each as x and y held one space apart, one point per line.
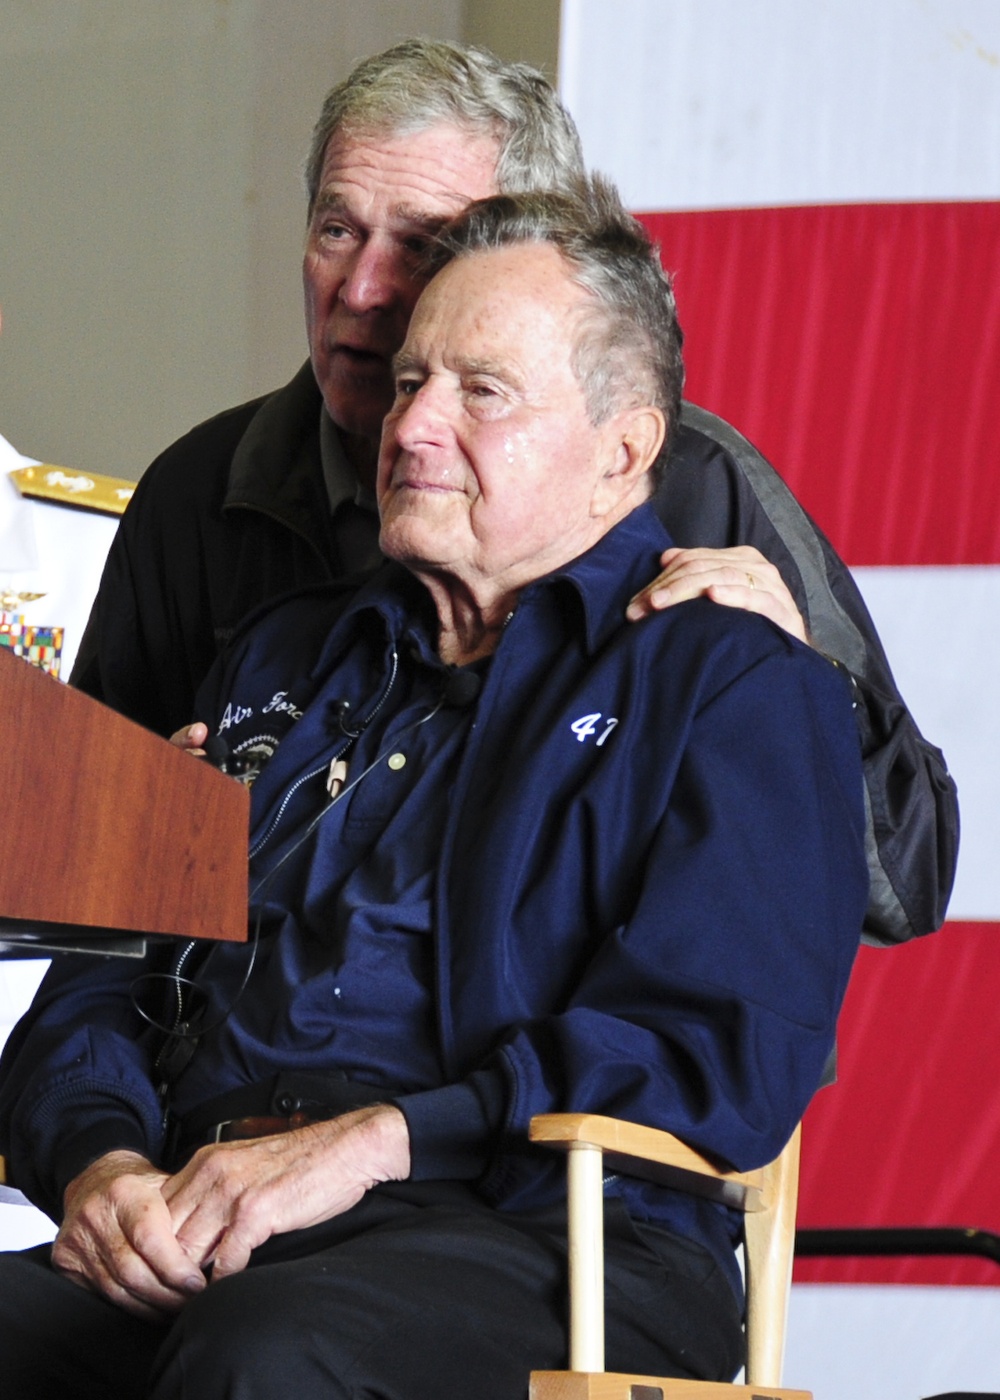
634 438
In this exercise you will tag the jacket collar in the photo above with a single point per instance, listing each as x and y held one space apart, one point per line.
604 579
274 465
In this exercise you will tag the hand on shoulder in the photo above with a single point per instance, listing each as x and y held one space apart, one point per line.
736 578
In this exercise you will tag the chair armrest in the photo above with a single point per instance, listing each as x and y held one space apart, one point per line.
767 1195
654 1156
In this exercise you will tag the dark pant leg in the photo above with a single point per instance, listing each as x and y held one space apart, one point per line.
59 1342
428 1303
669 1309
414 1295
436 1302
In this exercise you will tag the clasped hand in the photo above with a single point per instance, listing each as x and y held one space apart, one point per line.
146 1240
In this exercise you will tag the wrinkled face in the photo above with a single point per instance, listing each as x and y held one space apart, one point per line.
379 198
489 461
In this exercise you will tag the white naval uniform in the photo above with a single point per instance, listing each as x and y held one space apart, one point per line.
58 551
52 549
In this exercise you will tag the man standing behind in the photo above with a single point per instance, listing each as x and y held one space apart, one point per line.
278 493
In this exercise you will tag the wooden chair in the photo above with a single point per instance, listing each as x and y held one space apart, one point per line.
768 1199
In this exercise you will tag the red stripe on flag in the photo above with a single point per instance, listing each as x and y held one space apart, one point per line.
910 1133
859 347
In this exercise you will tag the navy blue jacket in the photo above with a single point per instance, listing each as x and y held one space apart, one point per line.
654 917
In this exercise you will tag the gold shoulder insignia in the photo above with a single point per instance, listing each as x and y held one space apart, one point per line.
85 490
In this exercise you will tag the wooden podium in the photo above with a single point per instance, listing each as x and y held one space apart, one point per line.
109 833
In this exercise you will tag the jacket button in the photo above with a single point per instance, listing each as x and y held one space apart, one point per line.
288 1104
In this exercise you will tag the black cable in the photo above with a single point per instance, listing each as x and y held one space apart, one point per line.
890 1241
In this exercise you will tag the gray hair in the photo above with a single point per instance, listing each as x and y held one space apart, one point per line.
420 82
628 345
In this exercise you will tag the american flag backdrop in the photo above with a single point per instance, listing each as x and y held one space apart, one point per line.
823 180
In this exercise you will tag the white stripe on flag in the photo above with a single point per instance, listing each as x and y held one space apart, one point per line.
692 104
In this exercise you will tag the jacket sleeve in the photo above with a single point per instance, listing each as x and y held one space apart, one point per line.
719 491
76 1075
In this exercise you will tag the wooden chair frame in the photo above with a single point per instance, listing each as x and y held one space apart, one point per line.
768 1198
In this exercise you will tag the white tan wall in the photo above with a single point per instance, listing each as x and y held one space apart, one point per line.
151 208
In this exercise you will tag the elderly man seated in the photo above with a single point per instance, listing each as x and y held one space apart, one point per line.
509 854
